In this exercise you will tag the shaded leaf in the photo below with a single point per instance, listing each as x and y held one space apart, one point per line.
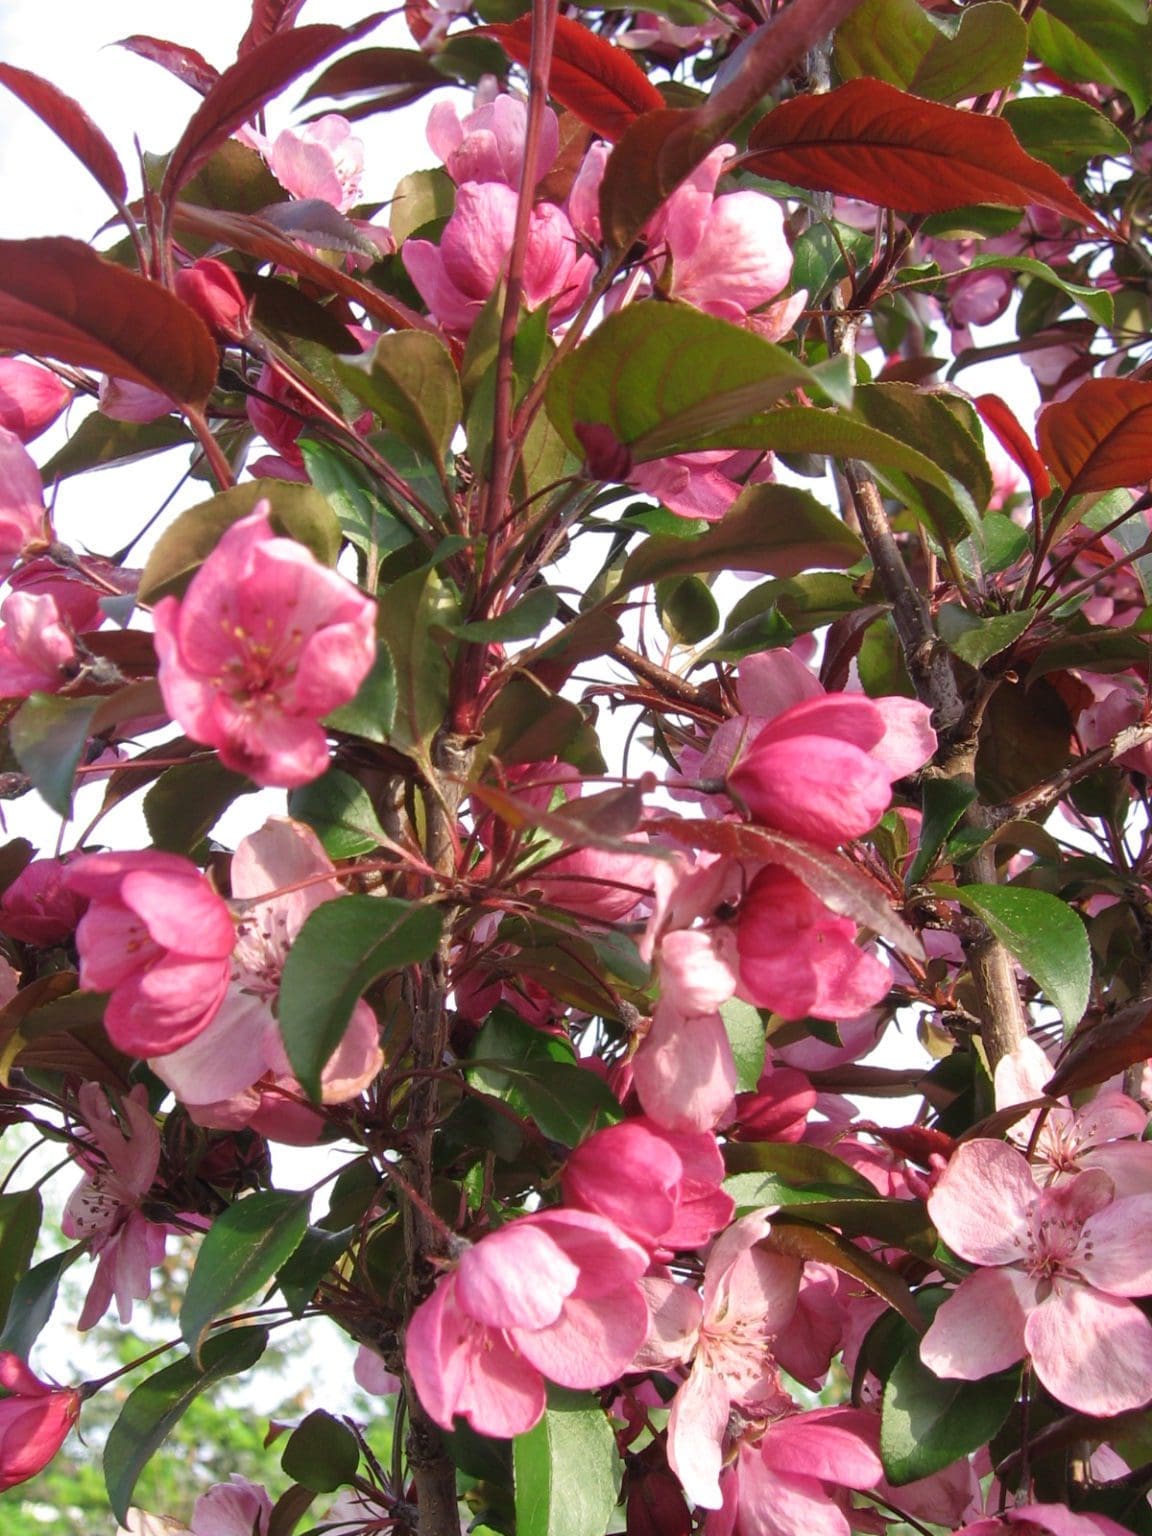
523 622
567 1470
240 1253
1042 932
156 1406
20 1215
321 1453
798 1240
896 41
1063 131
33 1298
411 383
1100 438
945 801
869 140
99 441
72 126
48 734
297 511
338 809
1098 41
343 947
372 713
1103 1046
409 611
977 640
59 299
185 63
187 801
315 1256
400 74
601 83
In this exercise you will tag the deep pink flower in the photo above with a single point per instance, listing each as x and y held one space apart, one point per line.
1044 1520
457 277
236 1072
31 398
37 652
23 519
34 1421
323 159
76 597
159 938
39 907
104 1208
211 289
264 644
1058 1265
660 1187
551 1295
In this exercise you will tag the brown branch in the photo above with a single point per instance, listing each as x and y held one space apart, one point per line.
1045 796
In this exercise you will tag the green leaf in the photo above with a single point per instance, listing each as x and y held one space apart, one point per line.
1096 42
567 1470
745 1030
1042 932
523 622
1064 132
947 429
901 1223
343 947
420 198
977 640
776 530
945 801
319 1250
664 377
187 801
99 441
686 609
298 511
338 809
894 40
241 1251
540 1078
798 1240
19 1227
33 1299
411 383
366 521
157 1405
798 1167
927 1424
372 713
48 735
1096 303
409 610
819 256
321 1453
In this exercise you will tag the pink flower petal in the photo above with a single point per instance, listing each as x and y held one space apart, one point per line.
1093 1352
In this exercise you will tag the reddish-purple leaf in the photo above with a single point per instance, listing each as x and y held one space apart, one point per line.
869 140
71 125
268 18
244 88
1100 438
386 70
1103 1046
59 299
601 83
256 237
1002 422
185 63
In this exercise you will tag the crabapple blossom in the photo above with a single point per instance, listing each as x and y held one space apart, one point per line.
39 907
34 1421
554 1295
23 518
1045 1520
31 398
159 938
212 290
265 642
37 651
488 144
236 1072
1057 1268
104 1208
235 1508
323 160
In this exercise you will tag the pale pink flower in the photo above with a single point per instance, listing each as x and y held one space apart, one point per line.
488 144
104 1208
727 1332
236 1073
660 1187
457 277
552 1295
1105 1133
323 159
683 1070
31 398
234 1508
159 938
34 1421
23 519
127 400
37 652
1114 710
1058 1265
702 484
265 643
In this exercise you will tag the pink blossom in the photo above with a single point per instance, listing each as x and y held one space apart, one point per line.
683 1070
212 290
34 1421
488 145
156 936
1105 1133
323 159
660 1187
236 1071
457 277
23 520
1113 710
264 644
104 1208
702 484
552 1295
234 1508
37 652
777 1110
126 400
1057 1267
31 398
1048 1519
77 597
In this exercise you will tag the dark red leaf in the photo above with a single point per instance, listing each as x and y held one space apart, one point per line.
71 125
660 149
1002 422
268 18
1103 1046
601 83
185 63
256 237
869 140
59 299
377 69
1100 438
244 88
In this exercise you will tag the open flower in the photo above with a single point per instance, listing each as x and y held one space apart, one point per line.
264 644
1058 1265
34 1421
